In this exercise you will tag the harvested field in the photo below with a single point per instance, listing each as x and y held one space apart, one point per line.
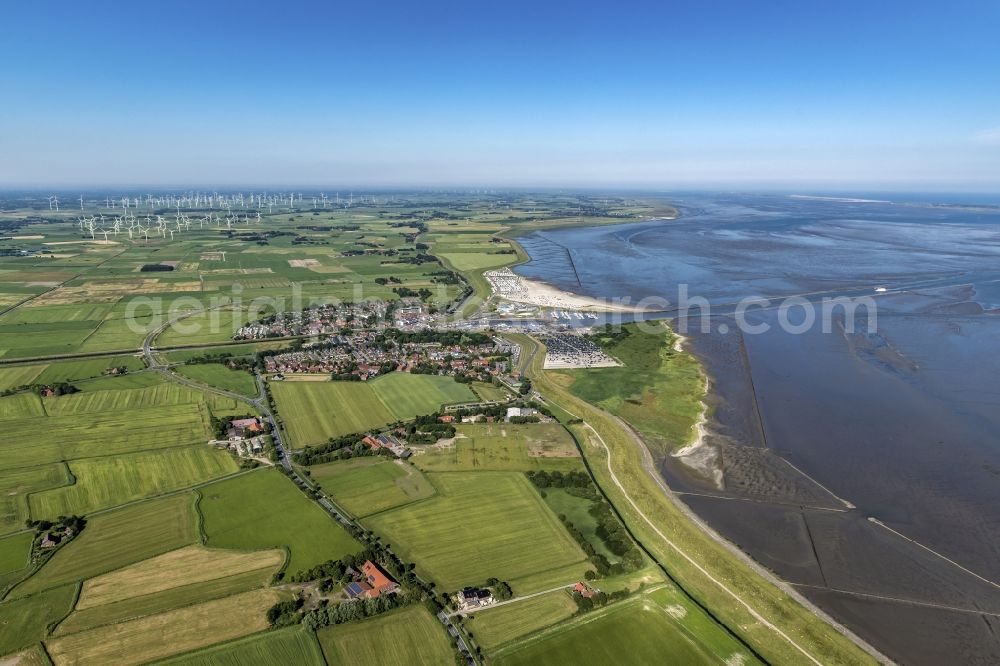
185 566
157 636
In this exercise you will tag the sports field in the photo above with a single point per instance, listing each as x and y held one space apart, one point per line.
410 636
165 634
118 538
637 628
500 447
218 375
113 480
480 525
292 645
265 510
313 412
365 486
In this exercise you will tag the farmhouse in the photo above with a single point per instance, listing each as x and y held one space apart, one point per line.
584 591
239 428
376 581
472 598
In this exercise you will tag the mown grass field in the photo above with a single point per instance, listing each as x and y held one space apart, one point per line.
16 486
37 441
637 628
106 482
15 552
313 412
407 396
166 634
265 510
115 394
25 621
21 405
477 261
410 636
63 371
365 486
489 392
118 538
292 645
480 525
218 375
502 447
496 626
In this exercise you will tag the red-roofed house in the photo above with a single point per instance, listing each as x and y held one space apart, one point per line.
379 580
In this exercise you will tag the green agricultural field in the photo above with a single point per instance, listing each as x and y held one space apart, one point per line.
19 375
637 628
37 441
218 375
657 390
292 645
15 553
201 328
366 485
245 349
407 396
477 261
103 395
118 538
490 392
110 481
265 510
21 405
495 626
314 412
70 371
502 446
410 636
26 621
577 511
481 525
16 486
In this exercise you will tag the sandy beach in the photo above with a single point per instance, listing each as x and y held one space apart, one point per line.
512 287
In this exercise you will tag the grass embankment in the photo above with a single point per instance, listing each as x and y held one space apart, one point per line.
750 606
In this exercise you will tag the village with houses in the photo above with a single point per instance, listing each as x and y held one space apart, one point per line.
369 353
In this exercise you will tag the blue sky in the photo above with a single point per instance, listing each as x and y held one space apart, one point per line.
808 94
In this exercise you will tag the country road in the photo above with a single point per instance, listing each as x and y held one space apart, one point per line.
649 468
